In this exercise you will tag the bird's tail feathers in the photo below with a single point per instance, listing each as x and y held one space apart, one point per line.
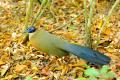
88 54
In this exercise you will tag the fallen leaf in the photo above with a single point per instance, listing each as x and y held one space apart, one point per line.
19 68
64 69
107 31
70 35
45 71
1 62
4 69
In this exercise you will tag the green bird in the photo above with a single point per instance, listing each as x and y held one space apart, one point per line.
53 45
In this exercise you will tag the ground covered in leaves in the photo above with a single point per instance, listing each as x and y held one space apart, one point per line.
20 62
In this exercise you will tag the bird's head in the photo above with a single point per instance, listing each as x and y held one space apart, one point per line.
31 29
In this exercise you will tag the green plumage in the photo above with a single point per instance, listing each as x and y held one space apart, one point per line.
48 43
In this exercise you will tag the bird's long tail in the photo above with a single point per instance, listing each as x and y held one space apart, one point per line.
88 54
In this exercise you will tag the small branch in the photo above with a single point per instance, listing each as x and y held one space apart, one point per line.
28 13
88 25
85 12
86 19
51 11
41 10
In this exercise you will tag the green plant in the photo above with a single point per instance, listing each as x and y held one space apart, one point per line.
94 74
28 78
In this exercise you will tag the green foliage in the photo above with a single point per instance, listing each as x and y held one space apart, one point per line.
28 78
81 78
104 69
43 2
94 74
72 27
40 1
91 72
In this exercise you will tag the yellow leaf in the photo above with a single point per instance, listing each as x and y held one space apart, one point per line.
100 24
64 69
110 50
19 68
1 62
70 35
48 27
107 31
78 64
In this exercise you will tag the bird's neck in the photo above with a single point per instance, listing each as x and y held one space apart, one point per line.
37 32
30 35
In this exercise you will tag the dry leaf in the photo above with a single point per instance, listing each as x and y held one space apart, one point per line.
45 71
78 64
70 35
65 69
1 62
19 68
107 31
4 69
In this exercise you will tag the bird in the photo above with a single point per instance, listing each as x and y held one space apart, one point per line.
55 46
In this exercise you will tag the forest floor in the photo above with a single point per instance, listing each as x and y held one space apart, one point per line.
24 62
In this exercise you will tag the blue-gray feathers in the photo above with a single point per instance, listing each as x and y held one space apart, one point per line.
88 54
